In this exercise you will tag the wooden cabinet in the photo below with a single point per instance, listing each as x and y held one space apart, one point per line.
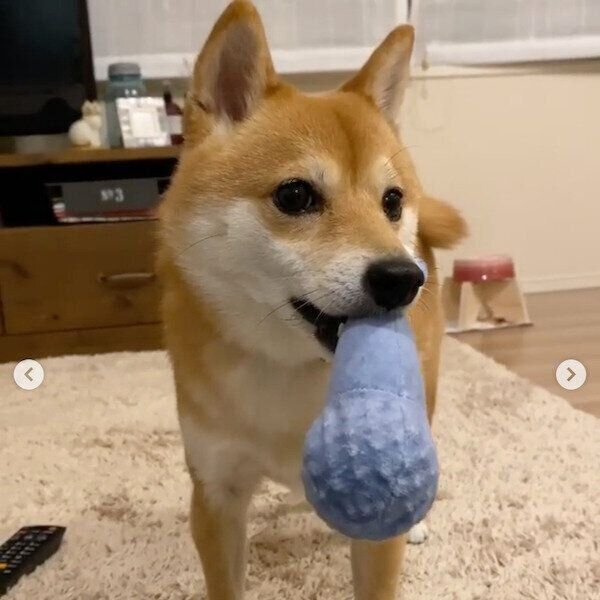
71 289
61 278
83 288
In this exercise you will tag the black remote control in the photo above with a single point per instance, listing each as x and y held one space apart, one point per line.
26 550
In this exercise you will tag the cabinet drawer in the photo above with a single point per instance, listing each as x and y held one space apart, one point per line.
78 277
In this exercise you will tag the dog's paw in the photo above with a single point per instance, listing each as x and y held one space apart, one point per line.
418 534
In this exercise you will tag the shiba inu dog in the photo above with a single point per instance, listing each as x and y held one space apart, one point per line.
287 214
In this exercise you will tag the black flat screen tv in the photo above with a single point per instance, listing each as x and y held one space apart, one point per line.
46 66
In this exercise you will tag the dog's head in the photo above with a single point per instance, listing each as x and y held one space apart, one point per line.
290 212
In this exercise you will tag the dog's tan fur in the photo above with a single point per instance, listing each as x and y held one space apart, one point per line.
249 378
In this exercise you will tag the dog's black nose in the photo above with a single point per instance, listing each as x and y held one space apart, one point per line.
393 282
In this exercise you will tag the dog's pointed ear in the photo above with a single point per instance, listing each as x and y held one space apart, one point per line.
384 77
233 72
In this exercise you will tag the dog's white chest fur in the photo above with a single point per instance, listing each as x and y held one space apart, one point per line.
260 431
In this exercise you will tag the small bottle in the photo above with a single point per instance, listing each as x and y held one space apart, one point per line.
174 117
124 81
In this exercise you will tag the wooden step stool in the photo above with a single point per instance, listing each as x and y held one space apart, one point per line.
483 293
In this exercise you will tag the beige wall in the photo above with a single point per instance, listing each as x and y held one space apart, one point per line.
519 152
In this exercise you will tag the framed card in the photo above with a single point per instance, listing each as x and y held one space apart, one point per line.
143 122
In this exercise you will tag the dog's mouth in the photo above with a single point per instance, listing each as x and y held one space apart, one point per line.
326 327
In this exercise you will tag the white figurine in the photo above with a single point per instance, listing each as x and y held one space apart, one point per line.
86 131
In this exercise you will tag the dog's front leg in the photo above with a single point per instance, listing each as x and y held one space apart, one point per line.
219 532
376 568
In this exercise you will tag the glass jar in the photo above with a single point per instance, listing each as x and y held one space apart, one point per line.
124 81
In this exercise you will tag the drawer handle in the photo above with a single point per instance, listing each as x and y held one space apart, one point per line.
16 268
126 281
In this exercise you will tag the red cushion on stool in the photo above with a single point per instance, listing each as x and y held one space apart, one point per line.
486 268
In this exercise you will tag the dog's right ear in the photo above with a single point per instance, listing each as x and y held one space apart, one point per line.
232 74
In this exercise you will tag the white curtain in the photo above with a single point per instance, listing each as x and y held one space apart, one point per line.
504 31
306 35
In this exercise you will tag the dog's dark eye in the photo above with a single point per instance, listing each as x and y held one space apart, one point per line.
392 203
295 197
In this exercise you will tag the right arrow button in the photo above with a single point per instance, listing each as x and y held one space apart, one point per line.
571 374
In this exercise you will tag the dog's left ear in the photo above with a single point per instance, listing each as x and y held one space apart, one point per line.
385 75
233 72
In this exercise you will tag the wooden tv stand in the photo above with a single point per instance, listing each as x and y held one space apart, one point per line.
83 288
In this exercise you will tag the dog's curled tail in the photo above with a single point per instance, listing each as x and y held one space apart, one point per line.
440 224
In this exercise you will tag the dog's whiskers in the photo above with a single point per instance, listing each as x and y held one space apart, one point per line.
307 301
403 149
326 307
208 237
426 290
422 303
423 306
283 304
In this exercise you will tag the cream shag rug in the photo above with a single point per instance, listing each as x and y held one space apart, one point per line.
97 449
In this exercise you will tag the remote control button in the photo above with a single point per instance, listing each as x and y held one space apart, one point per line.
3 566
41 537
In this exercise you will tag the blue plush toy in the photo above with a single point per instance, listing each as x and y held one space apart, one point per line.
370 467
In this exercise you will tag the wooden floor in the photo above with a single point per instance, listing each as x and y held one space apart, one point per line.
565 325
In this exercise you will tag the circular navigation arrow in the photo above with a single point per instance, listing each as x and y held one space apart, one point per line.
28 374
571 374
